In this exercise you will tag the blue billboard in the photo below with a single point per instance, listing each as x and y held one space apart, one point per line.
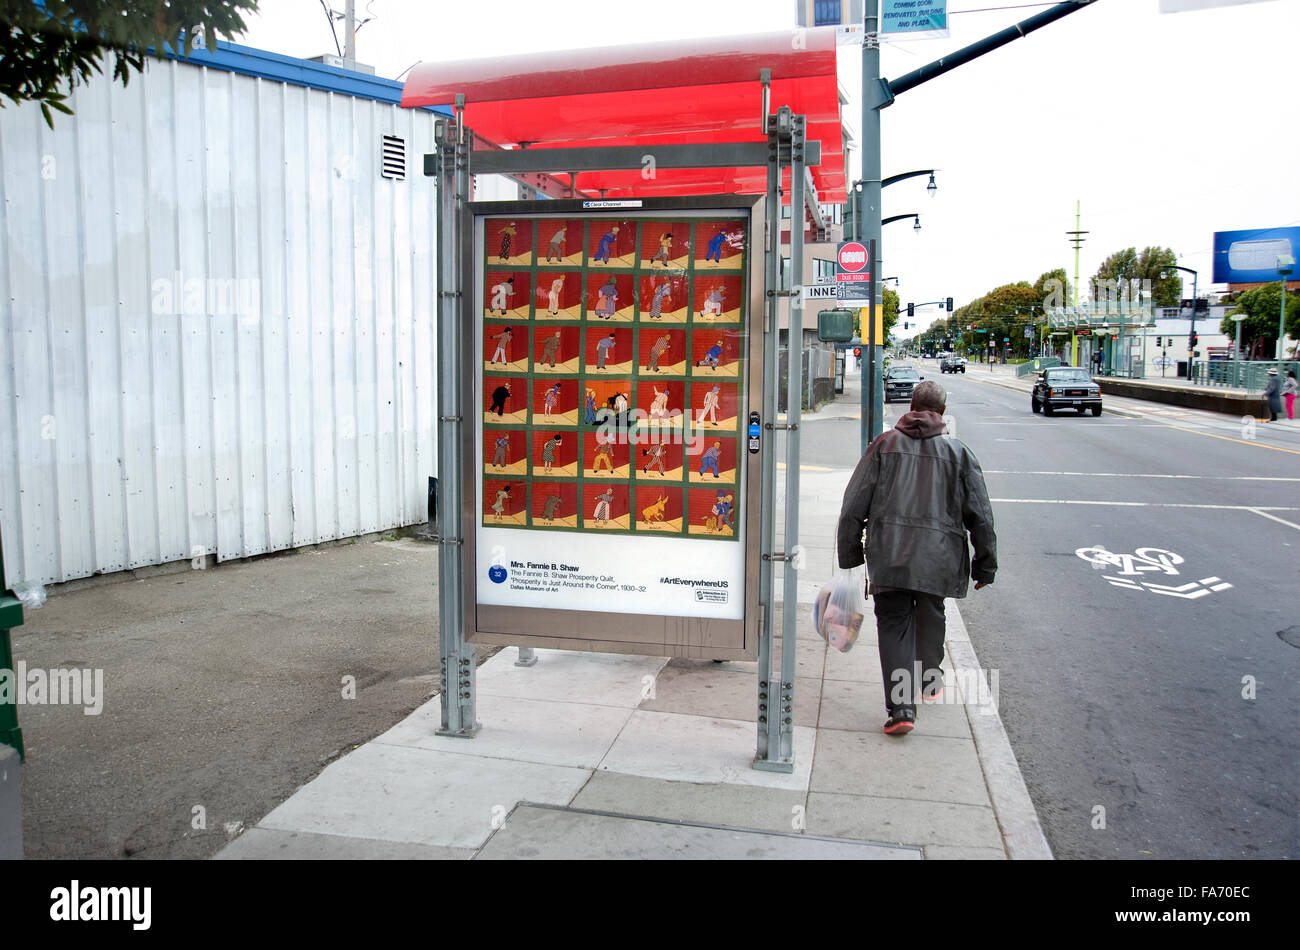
1250 257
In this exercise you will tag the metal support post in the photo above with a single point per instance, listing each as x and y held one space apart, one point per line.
778 693
768 753
456 656
527 657
875 96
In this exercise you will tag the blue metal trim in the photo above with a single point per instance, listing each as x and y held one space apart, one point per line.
298 72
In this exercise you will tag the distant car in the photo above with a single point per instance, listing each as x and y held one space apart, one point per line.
900 381
1066 387
953 364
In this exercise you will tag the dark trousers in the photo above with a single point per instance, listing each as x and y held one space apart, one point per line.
910 628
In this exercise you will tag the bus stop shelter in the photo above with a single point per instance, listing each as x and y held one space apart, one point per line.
743 126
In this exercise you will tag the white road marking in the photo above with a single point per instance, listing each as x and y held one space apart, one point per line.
1224 478
1258 509
1264 514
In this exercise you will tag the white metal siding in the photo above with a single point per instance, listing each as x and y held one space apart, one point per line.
301 409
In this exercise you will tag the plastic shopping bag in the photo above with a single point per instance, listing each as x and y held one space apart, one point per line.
840 607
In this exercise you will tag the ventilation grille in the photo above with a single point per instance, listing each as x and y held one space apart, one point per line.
393 157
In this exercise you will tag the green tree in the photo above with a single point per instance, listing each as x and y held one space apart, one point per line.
1261 307
1129 265
1054 289
43 45
890 307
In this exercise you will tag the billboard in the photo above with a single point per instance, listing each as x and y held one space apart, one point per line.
611 492
1250 257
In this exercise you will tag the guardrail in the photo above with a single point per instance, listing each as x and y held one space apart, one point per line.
1037 366
1238 374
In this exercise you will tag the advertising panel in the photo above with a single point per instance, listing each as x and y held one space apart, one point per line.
614 384
1250 257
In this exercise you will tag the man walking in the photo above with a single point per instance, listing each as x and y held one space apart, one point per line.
917 492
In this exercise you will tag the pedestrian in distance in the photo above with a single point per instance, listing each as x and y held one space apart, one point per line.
1289 389
916 493
1273 394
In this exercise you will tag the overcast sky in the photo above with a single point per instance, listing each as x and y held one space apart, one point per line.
1166 127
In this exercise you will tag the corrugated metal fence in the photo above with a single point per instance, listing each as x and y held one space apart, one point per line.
215 323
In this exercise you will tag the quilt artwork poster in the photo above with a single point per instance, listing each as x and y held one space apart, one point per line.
611 355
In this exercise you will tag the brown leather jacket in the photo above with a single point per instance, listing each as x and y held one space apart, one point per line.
918 492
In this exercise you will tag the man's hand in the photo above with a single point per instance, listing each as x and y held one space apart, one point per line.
981 584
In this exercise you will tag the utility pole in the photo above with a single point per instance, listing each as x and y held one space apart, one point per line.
875 96
1076 238
350 34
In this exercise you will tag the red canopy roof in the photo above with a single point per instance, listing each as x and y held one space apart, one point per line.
689 91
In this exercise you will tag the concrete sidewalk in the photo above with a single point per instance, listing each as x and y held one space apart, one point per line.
603 755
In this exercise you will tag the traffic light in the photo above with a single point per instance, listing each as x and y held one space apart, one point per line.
1192 339
1158 346
949 302
1114 338
911 310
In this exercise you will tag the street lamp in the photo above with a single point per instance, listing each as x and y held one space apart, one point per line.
1191 335
1285 264
899 217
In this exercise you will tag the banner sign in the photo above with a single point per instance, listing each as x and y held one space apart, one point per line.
920 19
613 395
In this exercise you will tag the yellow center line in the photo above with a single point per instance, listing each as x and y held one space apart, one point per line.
1228 438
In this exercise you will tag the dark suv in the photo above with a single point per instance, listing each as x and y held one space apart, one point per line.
900 381
1066 387
952 364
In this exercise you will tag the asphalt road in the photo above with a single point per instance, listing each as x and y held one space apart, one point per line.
1147 721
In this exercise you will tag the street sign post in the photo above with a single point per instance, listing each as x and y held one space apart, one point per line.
853 271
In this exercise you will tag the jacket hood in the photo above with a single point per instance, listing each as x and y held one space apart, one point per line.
921 425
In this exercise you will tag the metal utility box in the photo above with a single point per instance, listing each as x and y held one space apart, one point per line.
836 326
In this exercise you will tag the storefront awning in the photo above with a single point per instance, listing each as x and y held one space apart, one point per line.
696 92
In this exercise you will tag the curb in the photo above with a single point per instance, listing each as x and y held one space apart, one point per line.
1022 834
